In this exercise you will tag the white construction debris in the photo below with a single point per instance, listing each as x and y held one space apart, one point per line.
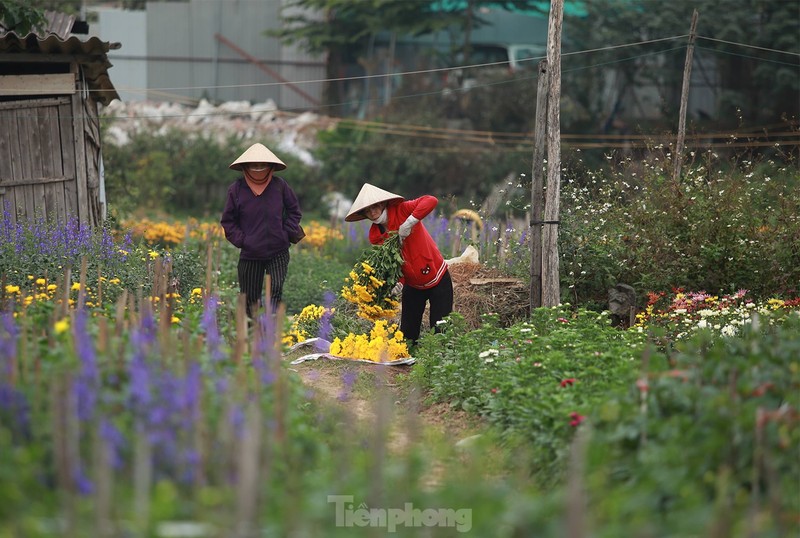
262 122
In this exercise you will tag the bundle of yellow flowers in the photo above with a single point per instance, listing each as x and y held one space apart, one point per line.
384 343
306 324
369 285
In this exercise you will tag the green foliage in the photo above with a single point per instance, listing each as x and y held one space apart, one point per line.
716 230
312 279
768 93
386 262
519 378
706 438
350 155
698 442
19 17
46 251
186 174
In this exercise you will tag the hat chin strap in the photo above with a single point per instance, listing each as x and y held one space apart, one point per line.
258 177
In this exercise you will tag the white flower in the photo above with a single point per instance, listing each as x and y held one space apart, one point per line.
489 360
702 324
488 353
728 330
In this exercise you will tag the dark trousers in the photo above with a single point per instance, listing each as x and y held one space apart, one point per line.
251 279
413 301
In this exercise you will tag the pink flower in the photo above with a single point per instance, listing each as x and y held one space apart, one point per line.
563 320
568 382
642 385
494 390
576 419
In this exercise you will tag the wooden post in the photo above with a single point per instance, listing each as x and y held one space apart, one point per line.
537 186
687 75
247 498
551 293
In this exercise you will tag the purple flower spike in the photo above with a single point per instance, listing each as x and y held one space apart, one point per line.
85 385
325 327
9 332
115 441
84 486
209 325
193 385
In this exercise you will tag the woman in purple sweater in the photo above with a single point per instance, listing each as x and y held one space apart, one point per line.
261 214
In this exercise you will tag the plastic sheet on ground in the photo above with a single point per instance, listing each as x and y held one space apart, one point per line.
322 347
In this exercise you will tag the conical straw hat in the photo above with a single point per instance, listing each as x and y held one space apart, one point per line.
257 153
370 194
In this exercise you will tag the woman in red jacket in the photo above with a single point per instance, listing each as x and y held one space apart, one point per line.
425 275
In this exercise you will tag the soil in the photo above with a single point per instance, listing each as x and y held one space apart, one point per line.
370 385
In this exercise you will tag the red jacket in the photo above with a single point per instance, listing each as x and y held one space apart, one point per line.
424 265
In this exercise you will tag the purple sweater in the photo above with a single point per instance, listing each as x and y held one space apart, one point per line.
255 224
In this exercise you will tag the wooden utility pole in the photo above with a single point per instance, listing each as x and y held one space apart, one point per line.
537 186
687 75
551 292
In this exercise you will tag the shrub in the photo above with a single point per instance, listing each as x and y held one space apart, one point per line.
534 380
310 278
715 230
186 174
707 440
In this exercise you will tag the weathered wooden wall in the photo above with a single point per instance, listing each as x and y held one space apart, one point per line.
49 158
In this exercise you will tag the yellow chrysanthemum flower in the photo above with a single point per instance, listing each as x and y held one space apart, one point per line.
61 326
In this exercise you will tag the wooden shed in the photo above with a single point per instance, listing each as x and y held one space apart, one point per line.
51 86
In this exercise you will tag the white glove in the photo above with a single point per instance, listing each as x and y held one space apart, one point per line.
405 228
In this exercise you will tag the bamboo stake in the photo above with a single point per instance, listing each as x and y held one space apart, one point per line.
64 310
142 477
103 476
577 503
281 389
119 318
241 329
383 418
65 445
102 335
687 76
82 283
457 242
99 287
198 438
248 478
209 266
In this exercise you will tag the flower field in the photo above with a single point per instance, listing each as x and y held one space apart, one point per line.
137 400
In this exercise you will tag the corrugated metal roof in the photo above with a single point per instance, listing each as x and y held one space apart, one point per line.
59 24
90 54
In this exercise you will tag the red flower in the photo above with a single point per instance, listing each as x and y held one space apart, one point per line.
563 320
576 419
642 385
762 389
494 391
568 382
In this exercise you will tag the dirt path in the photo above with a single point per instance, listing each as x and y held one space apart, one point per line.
365 390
